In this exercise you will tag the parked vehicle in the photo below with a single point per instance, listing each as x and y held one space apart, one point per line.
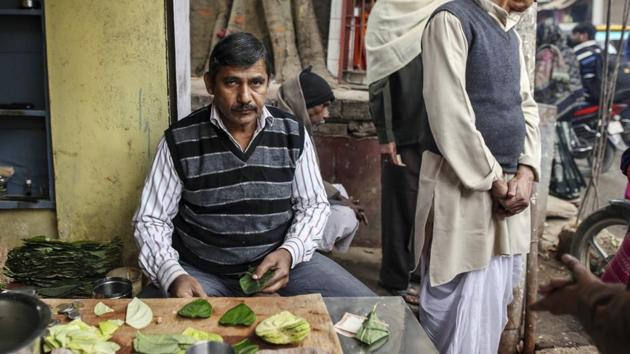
584 133
599 236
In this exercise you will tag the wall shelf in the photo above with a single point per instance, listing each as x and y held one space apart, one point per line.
25 140
12 204
20 12
22 112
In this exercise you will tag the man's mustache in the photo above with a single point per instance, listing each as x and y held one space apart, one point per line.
244 107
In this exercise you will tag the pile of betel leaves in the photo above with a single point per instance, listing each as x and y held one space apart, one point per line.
62 269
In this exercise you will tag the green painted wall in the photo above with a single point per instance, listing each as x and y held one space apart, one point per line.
107 64
20 224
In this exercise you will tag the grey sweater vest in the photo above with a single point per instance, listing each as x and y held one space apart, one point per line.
235 206
493 73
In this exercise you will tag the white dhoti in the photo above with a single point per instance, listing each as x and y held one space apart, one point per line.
340 228
468 314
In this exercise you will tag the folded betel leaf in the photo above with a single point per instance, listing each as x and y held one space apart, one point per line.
239 315
283 328
249 285
373 330
245 346
196 309
139 314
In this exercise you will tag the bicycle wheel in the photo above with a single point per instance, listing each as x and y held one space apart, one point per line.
599 236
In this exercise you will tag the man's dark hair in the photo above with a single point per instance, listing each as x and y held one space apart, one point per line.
585 27
239 49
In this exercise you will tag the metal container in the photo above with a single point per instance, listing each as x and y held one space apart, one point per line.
134 275
112 288
210 348
23 320
27 4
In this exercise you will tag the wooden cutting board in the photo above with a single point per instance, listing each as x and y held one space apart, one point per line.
310 307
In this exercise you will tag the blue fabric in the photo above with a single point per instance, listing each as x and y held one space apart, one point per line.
319 275
591 67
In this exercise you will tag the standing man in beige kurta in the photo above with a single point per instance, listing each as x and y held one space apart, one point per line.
482 157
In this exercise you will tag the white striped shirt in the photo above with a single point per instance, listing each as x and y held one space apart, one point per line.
153 228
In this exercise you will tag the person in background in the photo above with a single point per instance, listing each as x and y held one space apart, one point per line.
394 75
603 309
483 155
235 186
589 54
308 96
557 74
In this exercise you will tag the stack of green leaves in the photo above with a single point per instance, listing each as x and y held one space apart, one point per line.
283 328
62 269
373 331
82 338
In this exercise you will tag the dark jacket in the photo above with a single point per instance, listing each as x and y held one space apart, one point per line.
396 105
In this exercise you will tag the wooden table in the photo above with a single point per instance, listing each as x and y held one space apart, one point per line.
310 307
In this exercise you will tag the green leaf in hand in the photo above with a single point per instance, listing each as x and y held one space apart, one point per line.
199 308
250 285
239 315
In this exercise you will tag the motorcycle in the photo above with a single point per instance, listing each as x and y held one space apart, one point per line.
584 133
599 236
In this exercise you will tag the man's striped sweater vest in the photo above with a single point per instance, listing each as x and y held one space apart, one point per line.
235 206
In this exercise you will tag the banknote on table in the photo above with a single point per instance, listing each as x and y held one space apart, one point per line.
349 324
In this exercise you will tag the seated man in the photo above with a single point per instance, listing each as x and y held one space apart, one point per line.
235 185
308 96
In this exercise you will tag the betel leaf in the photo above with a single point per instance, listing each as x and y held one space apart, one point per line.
139 314
79 337
162 343
250 285
373 332
202 335
199 308
62 269
239 315
100 309
110 326
245 346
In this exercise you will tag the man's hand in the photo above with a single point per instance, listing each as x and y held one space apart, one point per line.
561 296
519 190
186 286
353 204
388 153
280 261
499 195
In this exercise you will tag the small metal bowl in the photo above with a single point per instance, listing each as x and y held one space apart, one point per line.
112 288
210 348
